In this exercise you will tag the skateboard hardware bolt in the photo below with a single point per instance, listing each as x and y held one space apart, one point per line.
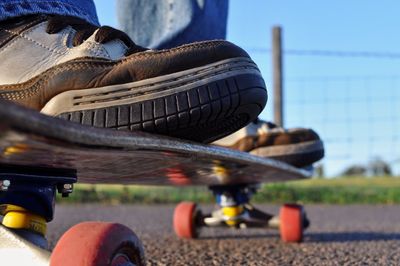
65 189
4 185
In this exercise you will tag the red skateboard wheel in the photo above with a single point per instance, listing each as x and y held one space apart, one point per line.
98 243
291 223
184 220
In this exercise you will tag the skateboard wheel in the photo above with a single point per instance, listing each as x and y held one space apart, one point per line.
185 220
291 223
98 243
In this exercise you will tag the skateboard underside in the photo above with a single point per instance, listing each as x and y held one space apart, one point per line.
42 155
33 140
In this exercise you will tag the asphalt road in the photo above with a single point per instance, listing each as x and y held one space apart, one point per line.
339 235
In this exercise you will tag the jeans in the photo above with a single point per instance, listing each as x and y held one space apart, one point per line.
84 9
150 23
169 23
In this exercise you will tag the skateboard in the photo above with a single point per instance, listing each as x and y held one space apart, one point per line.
41 156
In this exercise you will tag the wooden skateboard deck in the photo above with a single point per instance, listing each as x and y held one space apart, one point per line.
31 139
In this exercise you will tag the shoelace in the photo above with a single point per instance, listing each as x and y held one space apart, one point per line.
84 30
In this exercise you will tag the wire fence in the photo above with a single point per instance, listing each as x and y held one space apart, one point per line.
357 116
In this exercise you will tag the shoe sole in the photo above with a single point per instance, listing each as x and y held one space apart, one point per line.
202 104
299 154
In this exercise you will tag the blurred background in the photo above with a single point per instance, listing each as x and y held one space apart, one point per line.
341 77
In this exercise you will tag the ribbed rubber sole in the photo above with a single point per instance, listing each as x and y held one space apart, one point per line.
300 160
204 113
297 154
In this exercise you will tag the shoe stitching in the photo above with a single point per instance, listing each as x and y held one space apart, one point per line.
133 94
103 65
81 65
22 35
40 83
147 54
51 72
90 46
97 52
14 35
44 80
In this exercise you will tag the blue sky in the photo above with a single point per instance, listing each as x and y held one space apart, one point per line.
350 101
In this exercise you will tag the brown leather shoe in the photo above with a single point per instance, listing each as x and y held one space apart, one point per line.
299 147
65 67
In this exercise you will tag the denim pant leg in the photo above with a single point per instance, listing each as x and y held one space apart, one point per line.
84 9
169 23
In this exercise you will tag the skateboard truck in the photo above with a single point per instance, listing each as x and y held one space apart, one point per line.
33 189
236 211
27 199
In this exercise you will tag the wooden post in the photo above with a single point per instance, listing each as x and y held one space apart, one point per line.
277 75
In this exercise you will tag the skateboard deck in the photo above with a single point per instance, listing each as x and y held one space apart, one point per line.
33 140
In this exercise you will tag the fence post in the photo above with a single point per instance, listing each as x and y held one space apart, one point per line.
277 74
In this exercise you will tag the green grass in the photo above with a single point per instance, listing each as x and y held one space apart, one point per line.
360 190
383 190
